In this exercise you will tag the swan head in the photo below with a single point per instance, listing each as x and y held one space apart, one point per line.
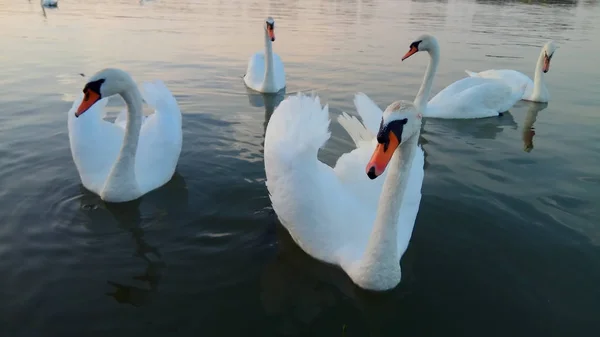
270 28
424 42
105 83
548 50
399 123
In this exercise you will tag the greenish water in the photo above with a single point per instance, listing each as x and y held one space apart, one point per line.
507 242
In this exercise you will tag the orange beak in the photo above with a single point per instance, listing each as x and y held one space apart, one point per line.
271 33
381 157
412 51
546 66
90 98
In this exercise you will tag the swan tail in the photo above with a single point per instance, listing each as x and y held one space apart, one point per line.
158 96
369 112
298 128
471 73
357 131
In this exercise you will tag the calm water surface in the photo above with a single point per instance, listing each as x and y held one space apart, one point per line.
507 241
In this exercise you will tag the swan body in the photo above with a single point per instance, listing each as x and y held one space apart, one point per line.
338 215
536 90
465 98
124 160
265 72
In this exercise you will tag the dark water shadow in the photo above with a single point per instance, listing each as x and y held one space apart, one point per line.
269 101
305 297
528 130
159 208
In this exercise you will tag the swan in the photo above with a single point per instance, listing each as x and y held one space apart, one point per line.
123 161
340 215
265 71
49 3
470 97
536 90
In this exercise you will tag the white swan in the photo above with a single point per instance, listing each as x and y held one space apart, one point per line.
470 97
338 215
536 90
265 71
123 161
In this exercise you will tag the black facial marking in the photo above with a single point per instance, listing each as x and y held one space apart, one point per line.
383 136
93 86
271 25
415 44
549 57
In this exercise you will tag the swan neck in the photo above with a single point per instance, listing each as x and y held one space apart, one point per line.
424 92
538 76
269 80
123 171
382 248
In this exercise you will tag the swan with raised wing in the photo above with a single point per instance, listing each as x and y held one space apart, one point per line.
470 97
124 160
340 215
265 72
536 90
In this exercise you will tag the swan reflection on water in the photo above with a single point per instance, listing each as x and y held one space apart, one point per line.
269 101
164 202
528 129
481 128
301 294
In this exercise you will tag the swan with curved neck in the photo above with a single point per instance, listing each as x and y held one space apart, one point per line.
536 90
265 72
343 216
121 164
465 98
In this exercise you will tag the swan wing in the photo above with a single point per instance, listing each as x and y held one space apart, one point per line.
279 70
473 97
307 195
95 144
160 140
350 167
514 79
448 94
255 73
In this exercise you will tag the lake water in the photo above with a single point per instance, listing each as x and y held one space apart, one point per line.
507 241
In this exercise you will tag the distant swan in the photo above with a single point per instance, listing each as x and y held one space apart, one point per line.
536 90
49 3
469 97
265 71
124 160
